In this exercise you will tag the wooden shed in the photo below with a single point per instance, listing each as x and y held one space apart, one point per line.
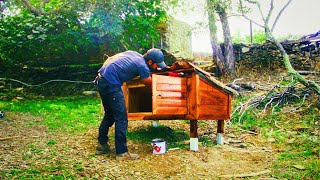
191 94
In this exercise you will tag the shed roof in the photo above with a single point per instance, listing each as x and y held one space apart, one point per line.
213 81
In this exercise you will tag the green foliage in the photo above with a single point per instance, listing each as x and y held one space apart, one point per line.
82 30
127 25
258 37
26 37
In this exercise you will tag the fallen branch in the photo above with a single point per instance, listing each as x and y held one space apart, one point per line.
8 138
15 137
308 72
245 175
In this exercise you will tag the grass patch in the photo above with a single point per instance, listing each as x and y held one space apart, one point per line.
296 136
72 114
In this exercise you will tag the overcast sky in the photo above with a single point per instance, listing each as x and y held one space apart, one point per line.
301 17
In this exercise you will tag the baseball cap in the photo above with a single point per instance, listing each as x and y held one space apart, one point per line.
156 56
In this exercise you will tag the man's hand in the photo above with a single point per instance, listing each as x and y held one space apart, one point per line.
148 82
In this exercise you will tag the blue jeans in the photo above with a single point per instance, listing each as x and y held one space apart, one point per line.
115 112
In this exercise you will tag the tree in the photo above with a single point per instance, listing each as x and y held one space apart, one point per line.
216 49
65 29
266 20
227 64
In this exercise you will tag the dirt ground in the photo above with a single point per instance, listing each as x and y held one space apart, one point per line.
34 151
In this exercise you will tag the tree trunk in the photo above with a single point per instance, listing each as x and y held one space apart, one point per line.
228 51
216 49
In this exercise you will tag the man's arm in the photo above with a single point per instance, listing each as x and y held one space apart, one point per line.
147 81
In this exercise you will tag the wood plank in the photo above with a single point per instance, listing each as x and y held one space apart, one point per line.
213 98
172 87
201 70
213 109
229 105
171 102
193 93
167 94
212 101
140 116
169 80
150 116
204 86
170 110
213 117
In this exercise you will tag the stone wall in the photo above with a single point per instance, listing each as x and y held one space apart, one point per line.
177 38
268 56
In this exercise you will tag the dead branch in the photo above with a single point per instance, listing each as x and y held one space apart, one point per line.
279 14
15 137
245 175
9 138
308 72
278 96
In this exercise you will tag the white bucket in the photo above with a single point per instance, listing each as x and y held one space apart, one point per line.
159 146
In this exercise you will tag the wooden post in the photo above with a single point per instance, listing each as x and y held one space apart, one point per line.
194 135
220 131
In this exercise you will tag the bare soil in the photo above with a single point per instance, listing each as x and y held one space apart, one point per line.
36 152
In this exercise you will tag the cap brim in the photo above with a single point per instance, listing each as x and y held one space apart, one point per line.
162 65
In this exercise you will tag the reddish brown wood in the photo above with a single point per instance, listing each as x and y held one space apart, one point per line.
151 116
193 128
172 87
193 94
167 94
191 97
170 110
169 80
220 127
172 102
213 109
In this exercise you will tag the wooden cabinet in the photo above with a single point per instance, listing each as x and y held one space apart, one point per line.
188 97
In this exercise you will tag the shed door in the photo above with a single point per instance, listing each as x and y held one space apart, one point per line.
169 95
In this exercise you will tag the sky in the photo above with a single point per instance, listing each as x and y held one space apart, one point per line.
300 18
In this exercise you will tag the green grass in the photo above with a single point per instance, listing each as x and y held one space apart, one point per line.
73 114
296 136
77 114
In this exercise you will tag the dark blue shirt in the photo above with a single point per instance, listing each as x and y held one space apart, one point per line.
123 67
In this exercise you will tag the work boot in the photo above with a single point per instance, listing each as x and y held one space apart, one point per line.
104 149
127 155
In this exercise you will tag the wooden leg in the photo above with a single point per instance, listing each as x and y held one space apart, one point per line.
194 135
220 131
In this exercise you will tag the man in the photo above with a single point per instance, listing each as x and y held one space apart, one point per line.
115 71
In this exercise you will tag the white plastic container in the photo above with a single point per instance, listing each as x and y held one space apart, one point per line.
158 146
